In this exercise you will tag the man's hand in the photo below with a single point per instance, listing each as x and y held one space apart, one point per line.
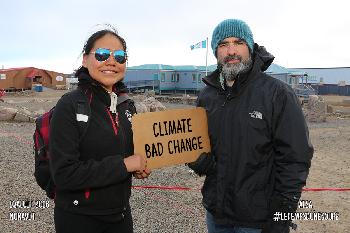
283 205
204 165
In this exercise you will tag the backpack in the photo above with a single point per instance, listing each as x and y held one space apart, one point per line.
41 136
41 139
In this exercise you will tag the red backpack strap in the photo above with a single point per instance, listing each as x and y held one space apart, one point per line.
45 126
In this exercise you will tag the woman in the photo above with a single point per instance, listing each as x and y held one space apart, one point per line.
92 172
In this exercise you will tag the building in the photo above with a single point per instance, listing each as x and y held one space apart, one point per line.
326 81
187 79
166 78
183 79
27 78
283 74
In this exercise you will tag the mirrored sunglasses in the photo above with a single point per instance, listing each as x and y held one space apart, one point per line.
102 54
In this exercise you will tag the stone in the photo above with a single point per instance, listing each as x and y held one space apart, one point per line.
141 107
153 105
23 115
316 109
7 114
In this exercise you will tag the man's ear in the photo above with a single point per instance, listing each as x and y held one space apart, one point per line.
84 62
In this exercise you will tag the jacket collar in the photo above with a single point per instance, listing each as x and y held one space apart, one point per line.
85 81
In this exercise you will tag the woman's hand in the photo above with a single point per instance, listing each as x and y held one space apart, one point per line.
135 163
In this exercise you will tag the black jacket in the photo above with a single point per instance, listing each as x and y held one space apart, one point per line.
89 172
260 142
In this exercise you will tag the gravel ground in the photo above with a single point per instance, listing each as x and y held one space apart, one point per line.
157 210
153 210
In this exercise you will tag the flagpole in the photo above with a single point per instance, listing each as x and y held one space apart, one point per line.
206 60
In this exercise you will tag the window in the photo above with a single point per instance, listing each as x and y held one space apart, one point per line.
173 78
37 79
2 76
199 78
177 77
155 77
321 81
162 79
194 78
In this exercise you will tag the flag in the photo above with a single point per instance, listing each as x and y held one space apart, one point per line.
201 44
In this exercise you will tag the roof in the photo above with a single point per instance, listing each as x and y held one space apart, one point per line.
294 72
315 68
185 68
17 68
277 69
30 67
173 68
151 67
32 73
274 68
210 68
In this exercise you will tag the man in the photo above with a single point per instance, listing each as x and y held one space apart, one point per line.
261 151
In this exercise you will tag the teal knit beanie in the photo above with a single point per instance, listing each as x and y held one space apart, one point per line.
232 28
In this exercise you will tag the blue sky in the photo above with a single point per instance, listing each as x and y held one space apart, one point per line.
51 34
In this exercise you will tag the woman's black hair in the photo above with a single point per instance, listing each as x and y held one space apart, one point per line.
89 44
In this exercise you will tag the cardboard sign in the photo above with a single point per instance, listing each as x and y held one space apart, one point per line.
171 137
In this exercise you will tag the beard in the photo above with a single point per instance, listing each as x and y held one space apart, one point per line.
230 71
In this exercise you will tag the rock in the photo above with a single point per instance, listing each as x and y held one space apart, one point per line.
139 98
156 106
151 93
330 109
7 114
23 115
316 109
147 103
153 105
141 107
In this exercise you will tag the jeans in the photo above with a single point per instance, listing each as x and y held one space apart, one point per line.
215 228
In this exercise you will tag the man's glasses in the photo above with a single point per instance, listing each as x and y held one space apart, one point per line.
102 54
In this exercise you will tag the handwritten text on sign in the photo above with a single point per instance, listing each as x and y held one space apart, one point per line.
171 137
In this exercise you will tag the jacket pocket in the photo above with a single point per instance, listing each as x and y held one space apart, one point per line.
259 205
258 127
260 139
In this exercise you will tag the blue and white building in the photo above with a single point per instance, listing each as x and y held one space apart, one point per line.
188 79
165 78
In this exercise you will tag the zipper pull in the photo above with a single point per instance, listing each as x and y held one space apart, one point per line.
227 98
114 101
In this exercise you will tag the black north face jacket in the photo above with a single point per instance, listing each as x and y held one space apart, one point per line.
260 142
89 172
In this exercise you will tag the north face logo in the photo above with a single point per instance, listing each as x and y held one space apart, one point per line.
256 114
128 115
